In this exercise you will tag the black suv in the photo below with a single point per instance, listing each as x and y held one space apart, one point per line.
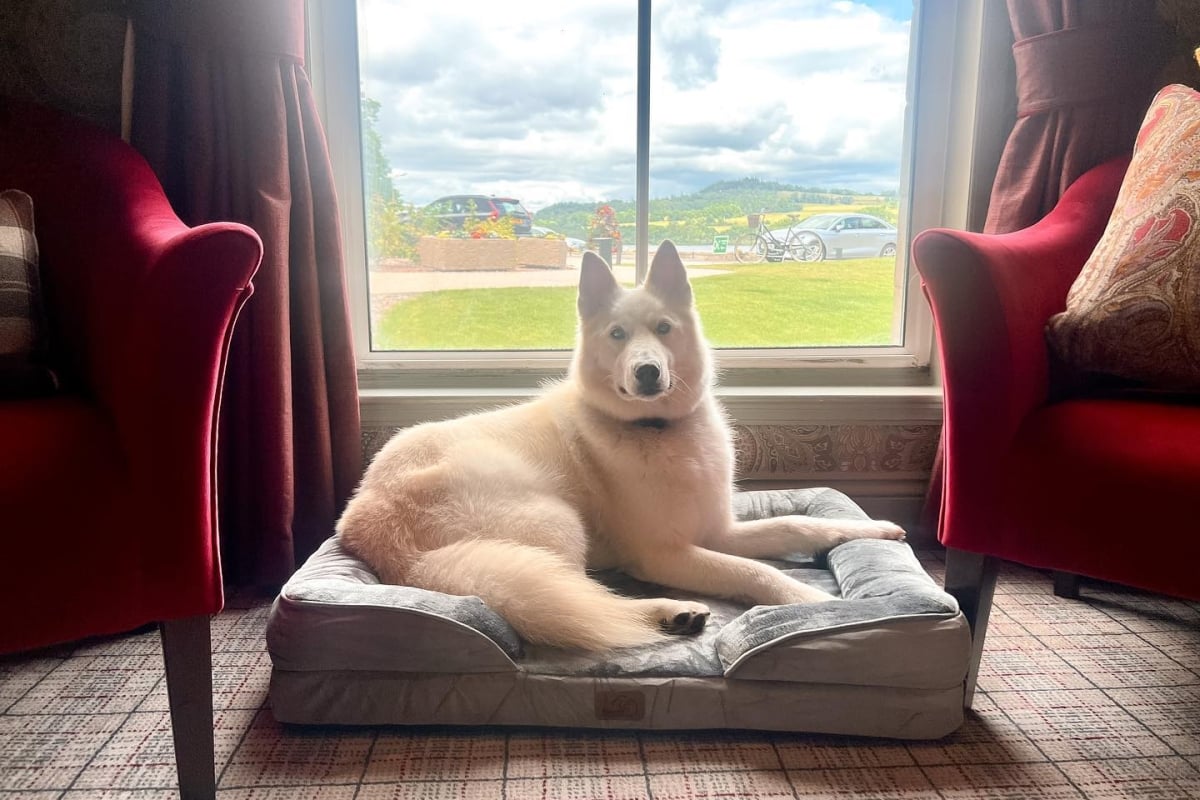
455 211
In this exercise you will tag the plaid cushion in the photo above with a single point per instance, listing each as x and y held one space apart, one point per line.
22 325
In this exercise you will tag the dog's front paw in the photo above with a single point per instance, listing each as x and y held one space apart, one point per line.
687 618
883 529
848 530
866 529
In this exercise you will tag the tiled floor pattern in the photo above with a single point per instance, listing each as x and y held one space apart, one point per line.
1098 698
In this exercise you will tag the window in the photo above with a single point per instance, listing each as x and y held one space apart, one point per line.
742 104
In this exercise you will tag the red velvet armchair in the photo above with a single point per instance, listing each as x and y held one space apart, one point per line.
1103 486
107 502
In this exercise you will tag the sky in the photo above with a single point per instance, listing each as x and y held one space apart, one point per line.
536 99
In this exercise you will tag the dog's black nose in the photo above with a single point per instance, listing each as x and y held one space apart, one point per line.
647 378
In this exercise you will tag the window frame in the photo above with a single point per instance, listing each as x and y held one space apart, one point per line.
940 125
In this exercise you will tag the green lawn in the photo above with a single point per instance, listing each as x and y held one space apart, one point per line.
761 305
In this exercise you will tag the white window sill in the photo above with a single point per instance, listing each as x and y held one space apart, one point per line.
747 405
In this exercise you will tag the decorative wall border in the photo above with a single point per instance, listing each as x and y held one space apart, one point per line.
814 451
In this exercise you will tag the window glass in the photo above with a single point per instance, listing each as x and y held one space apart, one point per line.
771 121
765 117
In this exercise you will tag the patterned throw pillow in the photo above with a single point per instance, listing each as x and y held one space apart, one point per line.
22 326
1134 310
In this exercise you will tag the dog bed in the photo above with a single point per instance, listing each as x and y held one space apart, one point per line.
887 659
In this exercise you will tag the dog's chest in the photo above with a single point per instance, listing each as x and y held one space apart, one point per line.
659 467
691 453
659 485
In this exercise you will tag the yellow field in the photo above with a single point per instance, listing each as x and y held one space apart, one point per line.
782 220
775 219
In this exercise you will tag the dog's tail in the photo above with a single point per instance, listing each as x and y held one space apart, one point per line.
542 596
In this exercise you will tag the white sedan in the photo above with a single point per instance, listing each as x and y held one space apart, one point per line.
840 236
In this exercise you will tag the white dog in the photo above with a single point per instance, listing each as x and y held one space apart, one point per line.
626 463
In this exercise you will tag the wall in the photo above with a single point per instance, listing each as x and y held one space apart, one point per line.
66 54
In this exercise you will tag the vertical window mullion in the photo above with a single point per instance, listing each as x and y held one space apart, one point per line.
642 212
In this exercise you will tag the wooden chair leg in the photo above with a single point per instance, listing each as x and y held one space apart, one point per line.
1066 584
971 579
187 653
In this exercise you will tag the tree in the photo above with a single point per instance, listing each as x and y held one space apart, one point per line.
377 172
392 229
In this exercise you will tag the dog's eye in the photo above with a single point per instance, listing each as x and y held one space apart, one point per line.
617 333
663 328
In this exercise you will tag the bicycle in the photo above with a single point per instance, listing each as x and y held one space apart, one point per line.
752 247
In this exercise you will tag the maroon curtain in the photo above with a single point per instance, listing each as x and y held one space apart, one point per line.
1085 73
1085 76
223 111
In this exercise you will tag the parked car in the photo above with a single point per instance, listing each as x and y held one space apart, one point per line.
843 236
455 211
546 233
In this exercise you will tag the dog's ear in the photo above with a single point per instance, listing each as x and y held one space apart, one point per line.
668 279
597 285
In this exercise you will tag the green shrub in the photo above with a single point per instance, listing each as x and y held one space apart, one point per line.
394 228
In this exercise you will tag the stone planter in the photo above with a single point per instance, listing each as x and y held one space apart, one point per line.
467 254
550 253
490 254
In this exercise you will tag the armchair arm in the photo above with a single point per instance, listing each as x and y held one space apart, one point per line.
165 393
991 296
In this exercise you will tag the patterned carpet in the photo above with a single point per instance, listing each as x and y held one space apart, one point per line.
1098 698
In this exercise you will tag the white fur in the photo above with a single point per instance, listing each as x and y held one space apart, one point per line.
514 505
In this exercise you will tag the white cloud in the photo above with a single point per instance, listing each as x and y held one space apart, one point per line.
538 100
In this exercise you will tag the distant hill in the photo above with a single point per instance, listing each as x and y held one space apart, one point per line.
695 218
